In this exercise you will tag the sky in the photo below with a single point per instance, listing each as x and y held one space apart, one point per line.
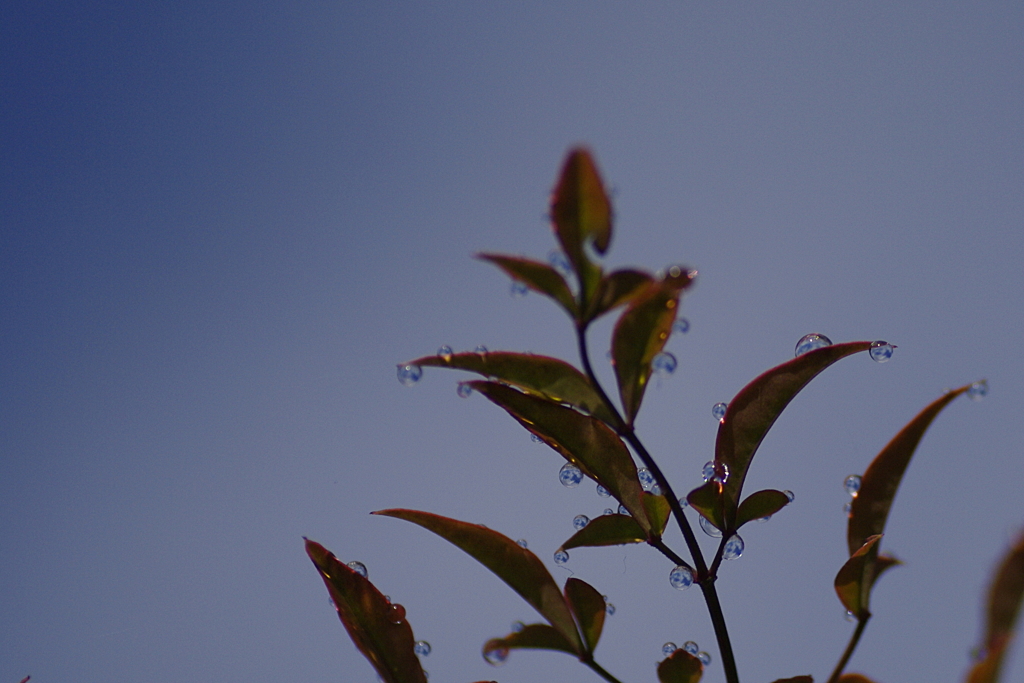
223 224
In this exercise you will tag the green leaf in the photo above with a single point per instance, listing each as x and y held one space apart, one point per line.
540 277
658 512
533 636
680 667
759 505
584 441
853 582
607 530
589 607
641 334
375 626
755 408
1002 611
582 213
870 509
542 376
518 567
616 289
707 500
796 679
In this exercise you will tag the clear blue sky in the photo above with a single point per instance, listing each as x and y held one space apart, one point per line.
221 225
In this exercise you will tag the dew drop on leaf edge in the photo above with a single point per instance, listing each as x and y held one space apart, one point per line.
681 325
522 543
880 351
580 521
517 289
421 647
709 528
704 658
664 363
680 578
978 390
358 568
561 557
668 648
569 475
733 548
811 342
603 492
497 656
445 353
646 478
691 647
718 411
464 390
409 374
852 484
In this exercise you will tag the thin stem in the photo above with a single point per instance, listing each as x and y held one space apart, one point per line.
599 670
721 631
862 622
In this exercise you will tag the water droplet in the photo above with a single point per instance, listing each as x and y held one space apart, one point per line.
880 351
704 658
570 475
656 490
609 511
580 521
521 543
646 478
496 656
852 485
481 350
464 390
603 492
668 648
718 411
561 557
623 510
396 614
445 353
426 674
683 503
421 647
358 568
790 495
691 647
718 471
810 342
664 363
847 509
536 439
733 548
517 626
709 528
850 616
762 520
681 325
978 390
609 608
680 578
517 289
559 262
409 374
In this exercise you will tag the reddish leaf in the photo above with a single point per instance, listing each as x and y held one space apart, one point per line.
658 512
518 567
680 667
1003 609
581 212
584 441
616 289
589 608
853 582
542 376
540 277
878 486
796 679
533 636
854 678
607 530
760 505
755 408
641 334
707 500
376 627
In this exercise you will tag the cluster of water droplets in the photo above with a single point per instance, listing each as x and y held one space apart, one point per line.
718 411
680 578
569 475
880 351
852 486
713 469
811 342
647 481
689 647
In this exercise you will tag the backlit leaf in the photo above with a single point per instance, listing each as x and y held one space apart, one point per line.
538 276
518 567
616 289
641 334
589 607
607 530
708 501
371 621
854 678
584 441
581 212
795 679
759 505
680 667
755 408
853 582
878 486
1002 611
543 376
532 636
658 512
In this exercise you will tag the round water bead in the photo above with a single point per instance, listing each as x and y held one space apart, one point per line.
680 578
646 478
704 658
790 495
517 289
691 647
664 363
409 374
668 648
609 608
421 647
718 471
718 411
570 475
848 509
559 261
656 490
609 511
810 342
580 521
536 439
733 548
521 543
358 568
603 492
681 325
496 656
683 503
978 390
396 613
517 626
464 390
561 557
445 353
623 510
709 528
880 351
482 350
852 484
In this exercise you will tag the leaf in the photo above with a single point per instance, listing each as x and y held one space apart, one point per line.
795 679
1002 611
584 441
538 276
707 500
607 530
759 505
680 667
582 213
658 512
533 636
641 334
855 578
369 619
854 678
870 509
543 376
756 407
589 607
518 567
616 289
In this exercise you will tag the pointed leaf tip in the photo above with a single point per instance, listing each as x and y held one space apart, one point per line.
1002 611
856 577
680 667
589 607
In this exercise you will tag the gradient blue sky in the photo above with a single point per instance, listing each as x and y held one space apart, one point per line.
221 225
